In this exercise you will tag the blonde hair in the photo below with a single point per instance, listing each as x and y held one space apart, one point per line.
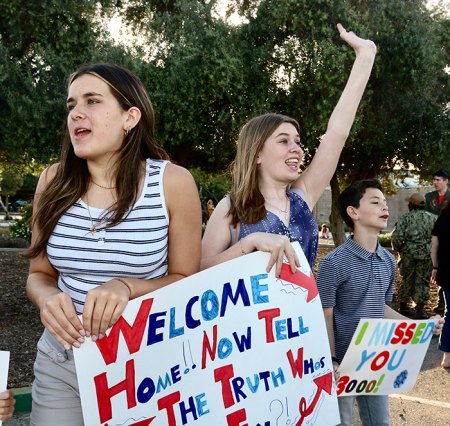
247 202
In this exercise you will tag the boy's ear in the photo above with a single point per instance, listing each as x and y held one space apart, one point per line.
352 212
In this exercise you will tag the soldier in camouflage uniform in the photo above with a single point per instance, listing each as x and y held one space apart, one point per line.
411 238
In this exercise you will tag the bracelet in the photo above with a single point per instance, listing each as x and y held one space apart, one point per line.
243 252
435 267
126 284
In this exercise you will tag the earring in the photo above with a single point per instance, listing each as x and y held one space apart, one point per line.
127 132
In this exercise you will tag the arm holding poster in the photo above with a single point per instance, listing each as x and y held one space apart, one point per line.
112 221
328 314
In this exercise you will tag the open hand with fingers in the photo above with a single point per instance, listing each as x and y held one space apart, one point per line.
103 307
60 318
360 45
278 246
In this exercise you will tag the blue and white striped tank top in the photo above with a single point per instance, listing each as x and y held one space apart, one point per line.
136 247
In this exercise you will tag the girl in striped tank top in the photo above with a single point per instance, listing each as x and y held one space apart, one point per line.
112 221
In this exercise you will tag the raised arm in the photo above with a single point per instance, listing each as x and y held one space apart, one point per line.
318 174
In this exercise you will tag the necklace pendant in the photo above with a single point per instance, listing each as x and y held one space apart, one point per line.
93 230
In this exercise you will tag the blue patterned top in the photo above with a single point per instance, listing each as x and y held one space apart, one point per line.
302 225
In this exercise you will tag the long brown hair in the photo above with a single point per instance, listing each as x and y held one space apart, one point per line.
247 202
72 177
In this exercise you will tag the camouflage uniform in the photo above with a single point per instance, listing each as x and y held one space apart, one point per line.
411 238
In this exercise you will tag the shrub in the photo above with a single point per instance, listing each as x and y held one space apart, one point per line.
211 186
385 239
21 227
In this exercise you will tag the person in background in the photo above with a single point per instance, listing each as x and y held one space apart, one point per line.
324 232
440 256
210 207
435 201
7 402
411 239
356 280
112 221
270 204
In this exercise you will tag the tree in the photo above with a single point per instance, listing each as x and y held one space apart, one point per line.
40 44
206 77
403 118
194 77
10 183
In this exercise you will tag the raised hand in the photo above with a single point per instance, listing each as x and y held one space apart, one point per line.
359 44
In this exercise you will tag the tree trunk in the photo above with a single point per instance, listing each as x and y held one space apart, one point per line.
5 206
336 223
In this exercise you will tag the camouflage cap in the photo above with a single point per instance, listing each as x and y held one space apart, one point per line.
417 199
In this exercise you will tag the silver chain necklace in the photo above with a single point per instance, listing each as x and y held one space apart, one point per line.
286 208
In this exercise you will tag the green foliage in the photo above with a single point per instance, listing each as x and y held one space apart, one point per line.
41 43
21 227
402 119
10 180
211 186
206 77
385 239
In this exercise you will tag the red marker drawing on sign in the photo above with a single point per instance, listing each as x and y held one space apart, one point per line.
300 279
145 422
324 383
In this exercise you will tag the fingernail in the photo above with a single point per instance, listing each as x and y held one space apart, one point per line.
88 334
100 336
66 346
81 339
94 338
82 332
77 344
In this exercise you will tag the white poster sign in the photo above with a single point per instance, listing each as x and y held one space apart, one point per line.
231 345
384 356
